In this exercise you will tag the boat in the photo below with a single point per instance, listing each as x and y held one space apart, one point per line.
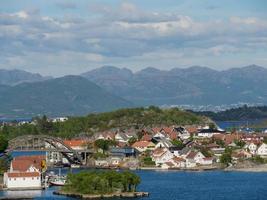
58 181
74 166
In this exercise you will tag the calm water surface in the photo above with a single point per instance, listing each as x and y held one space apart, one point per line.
170 185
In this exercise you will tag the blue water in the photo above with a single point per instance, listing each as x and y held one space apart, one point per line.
174 185
26 153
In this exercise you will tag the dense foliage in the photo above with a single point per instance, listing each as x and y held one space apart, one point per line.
101 182
3 143
242 113
123 118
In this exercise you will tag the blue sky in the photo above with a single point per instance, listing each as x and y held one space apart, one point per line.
70 37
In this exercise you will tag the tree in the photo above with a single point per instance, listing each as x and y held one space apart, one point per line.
212 125
226 157
178 143
132 140
3 143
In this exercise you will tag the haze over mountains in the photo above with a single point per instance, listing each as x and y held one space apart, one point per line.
108 88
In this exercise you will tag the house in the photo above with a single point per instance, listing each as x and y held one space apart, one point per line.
178 162
251 147
199 158
22 180
108 135
164 143
24 173
121 137
76 144
146 137
262 150
143 146
182 132
123 152
161 155
209 132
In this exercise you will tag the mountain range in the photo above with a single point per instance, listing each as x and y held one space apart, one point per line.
108 88
14 77
69 95
195 85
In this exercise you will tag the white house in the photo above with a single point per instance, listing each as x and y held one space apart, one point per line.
163 143
198 158
251 147
161 155
24 173
178 162
262 150
22 180
208 133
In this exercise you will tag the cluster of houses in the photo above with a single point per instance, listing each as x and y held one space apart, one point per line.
160 145
24 172
199 146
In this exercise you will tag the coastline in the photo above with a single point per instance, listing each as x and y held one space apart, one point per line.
258 168
100 196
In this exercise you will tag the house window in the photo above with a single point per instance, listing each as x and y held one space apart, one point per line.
24 179
10 179
37 178
32 178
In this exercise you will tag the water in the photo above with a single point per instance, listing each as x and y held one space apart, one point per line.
174 185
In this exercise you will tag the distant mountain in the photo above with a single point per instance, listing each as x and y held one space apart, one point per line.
69 95
195 85
14 77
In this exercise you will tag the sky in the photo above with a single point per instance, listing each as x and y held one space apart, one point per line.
56 37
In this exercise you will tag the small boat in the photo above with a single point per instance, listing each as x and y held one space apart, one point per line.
58 181
74 166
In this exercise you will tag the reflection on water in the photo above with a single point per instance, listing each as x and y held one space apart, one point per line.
35 194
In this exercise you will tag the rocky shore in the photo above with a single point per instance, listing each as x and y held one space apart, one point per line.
255 168
100 196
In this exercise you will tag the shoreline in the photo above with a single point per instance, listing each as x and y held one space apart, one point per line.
101 196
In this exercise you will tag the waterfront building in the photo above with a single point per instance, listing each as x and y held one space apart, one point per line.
24 173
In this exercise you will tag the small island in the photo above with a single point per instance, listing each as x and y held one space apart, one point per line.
102 184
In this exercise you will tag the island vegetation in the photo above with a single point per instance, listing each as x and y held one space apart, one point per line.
101 182
237 114
122 118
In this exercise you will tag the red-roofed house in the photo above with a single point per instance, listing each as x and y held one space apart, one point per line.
76 144
25 172
142 146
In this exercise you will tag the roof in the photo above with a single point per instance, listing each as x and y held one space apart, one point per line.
178 159
23 174
159 151
75 143
146 137
191 155
142 144
211 131
23 163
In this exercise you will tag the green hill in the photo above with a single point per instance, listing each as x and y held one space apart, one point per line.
124 118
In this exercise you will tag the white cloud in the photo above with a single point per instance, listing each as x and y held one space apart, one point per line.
122 33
